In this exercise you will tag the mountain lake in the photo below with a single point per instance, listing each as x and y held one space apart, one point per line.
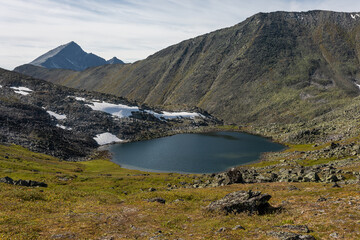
192 153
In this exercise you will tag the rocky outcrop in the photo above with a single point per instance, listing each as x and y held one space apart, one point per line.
242 201
20 182
319 173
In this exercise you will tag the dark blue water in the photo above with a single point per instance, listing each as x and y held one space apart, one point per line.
192 153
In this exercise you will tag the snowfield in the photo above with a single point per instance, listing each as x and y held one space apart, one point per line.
118 110
106 138
172 115
355 15
22 90
56 115
125 111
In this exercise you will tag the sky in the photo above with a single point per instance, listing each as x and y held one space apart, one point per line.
128 29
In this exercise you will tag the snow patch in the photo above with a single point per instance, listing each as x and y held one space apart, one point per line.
106 138
172 115
56 115
22 90
80 99
63 127
0 86
353 16
22 93
118 110
124 111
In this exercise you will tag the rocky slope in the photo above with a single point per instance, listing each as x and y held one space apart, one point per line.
281 67
71 123
71 56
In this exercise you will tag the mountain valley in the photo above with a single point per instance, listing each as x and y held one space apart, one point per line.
279 67
292 77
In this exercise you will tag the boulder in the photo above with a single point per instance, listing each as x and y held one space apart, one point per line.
233 176
157 199
290 236
7 180
311 177
332 178
29 183
295 228
242 201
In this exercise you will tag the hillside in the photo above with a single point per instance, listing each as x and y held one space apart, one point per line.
71 124
281 67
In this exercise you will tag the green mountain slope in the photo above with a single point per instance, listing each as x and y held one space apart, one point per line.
282 67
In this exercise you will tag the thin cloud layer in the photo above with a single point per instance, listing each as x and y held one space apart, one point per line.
128 29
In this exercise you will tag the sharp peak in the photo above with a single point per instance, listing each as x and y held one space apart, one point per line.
72 43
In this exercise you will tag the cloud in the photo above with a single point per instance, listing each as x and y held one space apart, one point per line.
128 29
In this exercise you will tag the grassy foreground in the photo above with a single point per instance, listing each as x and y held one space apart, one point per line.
98 199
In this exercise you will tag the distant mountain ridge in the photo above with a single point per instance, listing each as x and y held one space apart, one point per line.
71 56
279 67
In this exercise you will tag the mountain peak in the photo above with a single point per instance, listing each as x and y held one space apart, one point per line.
70 56
114 60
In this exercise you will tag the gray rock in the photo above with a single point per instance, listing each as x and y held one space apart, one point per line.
25 183
242 201
222 229
311 177
157 199
321 199
332 178
238 227
7 180
290 236
295 228
64 236
292 188
334 235
233 176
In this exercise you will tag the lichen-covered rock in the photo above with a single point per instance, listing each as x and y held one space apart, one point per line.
242 201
